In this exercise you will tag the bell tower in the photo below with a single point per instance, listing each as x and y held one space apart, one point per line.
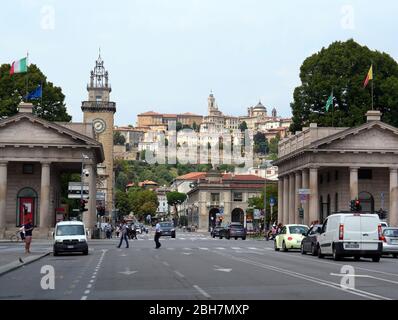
100 111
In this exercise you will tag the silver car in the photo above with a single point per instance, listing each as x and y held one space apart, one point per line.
390 241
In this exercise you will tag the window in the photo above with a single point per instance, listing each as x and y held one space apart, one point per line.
324 226
238 196
27 168
365 174
215 197
98 98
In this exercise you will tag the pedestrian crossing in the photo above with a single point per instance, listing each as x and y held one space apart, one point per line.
191 250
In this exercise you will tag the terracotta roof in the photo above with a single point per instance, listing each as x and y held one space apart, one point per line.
169 115
150 113
225 176
246 186
192 176
146 182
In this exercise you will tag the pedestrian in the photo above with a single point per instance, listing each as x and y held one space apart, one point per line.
124 231
157 235
28 227
117 231
133 232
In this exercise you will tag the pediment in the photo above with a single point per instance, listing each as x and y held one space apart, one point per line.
374 137
30 130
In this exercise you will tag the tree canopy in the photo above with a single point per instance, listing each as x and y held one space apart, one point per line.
260 143
175 198
342 68
13 87
118 139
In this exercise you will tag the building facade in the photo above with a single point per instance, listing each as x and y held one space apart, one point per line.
160 121
337 165
33 155
100 110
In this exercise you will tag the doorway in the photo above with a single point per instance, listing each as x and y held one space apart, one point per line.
26 206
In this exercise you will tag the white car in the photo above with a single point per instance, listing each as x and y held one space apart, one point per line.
351 234
70 236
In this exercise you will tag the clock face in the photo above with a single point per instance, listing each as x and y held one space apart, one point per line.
99 125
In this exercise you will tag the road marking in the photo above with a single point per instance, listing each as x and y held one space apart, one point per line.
187 253
318 281
72 286
89 286
201 291
189 249
166 264
252 248
220 248
363 276
87 292
92 281
179 274
84 298
128 272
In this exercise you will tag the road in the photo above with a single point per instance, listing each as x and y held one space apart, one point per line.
197 267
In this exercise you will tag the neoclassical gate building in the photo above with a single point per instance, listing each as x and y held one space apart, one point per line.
33 155
339 165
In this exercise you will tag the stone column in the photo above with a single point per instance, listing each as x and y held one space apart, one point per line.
393 212
285 200
306 207
292 198
353 183
3 197
91 215
280 199
297 202
314 196
45 197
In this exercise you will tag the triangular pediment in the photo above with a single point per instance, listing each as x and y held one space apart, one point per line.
370 136
28 129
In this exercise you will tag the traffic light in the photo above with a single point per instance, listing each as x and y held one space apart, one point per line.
83 207
358 206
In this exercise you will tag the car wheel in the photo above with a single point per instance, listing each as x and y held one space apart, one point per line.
302 249
236 238
376 259
85 252
320 255
395 255
284 248
357 258
56 253
228 237
244 238
336 256
214 236
276 247
220 237
314 251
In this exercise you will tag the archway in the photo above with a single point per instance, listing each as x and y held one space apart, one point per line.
26 206
238 215
213 217
367 202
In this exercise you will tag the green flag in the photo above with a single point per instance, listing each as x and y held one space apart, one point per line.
329 102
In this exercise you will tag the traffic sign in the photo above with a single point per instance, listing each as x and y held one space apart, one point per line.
272 201
304 191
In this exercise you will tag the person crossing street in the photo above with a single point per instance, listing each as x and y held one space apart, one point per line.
124 230
157 235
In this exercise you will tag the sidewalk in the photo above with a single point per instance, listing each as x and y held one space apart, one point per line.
12 254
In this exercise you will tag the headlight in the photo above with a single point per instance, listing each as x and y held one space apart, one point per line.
58 241
82 240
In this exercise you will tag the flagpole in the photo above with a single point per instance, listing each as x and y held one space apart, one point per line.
27 76
332 108
372 95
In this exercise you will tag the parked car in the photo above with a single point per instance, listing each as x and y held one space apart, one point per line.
234 230
217 232
70 236
351 235
167 229
390 241
310 240
384 224
290 237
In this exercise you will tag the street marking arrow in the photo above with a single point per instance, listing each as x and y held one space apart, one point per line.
187 253
128 272
218 268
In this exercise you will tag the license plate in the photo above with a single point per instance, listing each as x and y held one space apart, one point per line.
71 247
351 246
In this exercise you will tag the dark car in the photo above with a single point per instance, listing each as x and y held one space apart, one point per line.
217 232
167 229
234 230
310 241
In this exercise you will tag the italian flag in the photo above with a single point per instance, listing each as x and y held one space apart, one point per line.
19 66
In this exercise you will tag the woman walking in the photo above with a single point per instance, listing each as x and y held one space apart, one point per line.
28 235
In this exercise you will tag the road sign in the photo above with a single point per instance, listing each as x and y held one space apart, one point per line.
74 190
304 191
272 201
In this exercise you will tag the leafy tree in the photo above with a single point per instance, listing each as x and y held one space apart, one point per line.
122 203
179 126
195 127
121 181
118 138
13 87
260 143
143 202
243 126
342 67
258 202
176 198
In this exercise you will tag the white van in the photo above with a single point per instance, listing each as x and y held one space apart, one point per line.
351 234
70 236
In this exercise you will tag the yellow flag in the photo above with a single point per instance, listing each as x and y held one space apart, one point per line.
369 76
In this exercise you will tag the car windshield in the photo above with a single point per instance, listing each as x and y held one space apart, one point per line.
236 226
391 232
71 230
298 229
166 225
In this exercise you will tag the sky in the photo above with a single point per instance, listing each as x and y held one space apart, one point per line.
167 55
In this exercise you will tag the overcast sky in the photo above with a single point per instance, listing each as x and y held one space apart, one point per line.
166 55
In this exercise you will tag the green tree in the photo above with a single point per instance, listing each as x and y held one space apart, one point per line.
258 202
176 198
179 126
260 143
243 126
122 203
12 88
342 68
118 138
121 181
143 202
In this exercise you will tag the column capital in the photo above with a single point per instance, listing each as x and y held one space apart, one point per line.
299 173
393 169
3 163
45 163
314 168
354 168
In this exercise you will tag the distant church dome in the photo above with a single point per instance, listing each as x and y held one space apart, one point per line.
259 109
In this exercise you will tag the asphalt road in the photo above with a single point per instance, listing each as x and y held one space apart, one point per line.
196 267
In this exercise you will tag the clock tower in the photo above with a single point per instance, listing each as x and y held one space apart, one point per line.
100 111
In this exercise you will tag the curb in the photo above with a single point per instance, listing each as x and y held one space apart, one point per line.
17 264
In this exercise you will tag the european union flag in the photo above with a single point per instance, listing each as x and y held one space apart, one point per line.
35 94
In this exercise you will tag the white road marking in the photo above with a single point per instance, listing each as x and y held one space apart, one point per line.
84 298
187 253
87 292
166 264
220 248
179 274
202 291
252 248
363 276
89 286
92 281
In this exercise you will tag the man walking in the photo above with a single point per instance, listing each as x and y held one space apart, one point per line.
157 235
123 231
